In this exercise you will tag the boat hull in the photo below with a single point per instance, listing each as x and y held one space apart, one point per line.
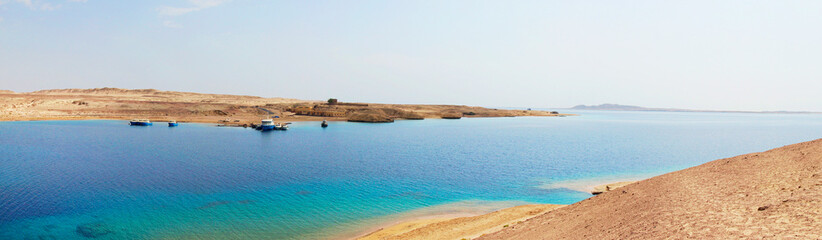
139 123
172 124
267 127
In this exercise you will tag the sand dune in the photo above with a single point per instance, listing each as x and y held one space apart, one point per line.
773 194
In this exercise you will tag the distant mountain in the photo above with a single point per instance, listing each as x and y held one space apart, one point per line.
617 107
612 107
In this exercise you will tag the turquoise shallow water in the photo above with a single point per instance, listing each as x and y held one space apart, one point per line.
198 181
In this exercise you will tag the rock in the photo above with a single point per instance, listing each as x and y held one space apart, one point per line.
94 230
398 113
451 115
374 116
412 116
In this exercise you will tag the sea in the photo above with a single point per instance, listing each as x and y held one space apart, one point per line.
104 179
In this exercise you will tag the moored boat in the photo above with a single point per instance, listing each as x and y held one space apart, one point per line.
281 126
140 122
172 123
267 124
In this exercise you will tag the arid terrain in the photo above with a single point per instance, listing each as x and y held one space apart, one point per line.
775 194
156 105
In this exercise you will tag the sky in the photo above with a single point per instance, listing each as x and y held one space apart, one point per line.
719 55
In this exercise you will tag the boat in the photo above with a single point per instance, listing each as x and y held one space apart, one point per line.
324 124
172 123
267 124
139 122
281 126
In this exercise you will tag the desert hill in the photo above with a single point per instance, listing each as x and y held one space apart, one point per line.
157 105
772 194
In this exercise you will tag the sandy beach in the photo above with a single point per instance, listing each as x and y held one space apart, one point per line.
472 221
459 227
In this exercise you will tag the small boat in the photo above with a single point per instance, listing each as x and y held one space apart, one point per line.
172 123
139 122
267 124
324 124
281 126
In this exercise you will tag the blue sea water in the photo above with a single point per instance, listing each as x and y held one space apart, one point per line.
197 181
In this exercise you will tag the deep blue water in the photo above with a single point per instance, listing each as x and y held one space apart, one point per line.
200 181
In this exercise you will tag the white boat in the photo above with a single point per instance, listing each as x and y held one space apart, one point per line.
281 126
267 124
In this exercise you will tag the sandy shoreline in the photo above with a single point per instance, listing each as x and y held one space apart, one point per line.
407 223
454 225
445 211
590 185
417 224
771 194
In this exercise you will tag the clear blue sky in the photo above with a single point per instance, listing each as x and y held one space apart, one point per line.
725 55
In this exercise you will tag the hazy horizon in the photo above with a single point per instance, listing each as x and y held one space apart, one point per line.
730 55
